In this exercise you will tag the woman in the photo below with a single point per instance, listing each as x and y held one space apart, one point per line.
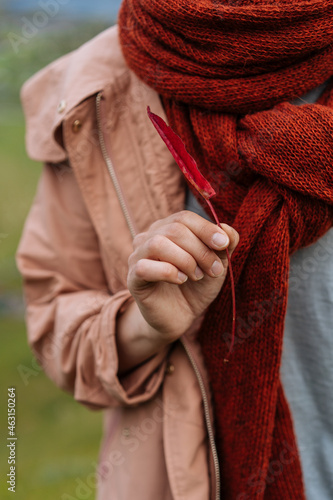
109 315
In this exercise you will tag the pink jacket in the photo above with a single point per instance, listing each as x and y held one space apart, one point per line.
108 176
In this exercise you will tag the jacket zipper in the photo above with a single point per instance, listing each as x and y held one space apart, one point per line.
130 225
110 167
207 418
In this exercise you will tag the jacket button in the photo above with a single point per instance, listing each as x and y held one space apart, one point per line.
76 126
61 106
170 368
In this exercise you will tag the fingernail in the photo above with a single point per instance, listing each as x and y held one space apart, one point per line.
198 273
217 268
182 277
220 240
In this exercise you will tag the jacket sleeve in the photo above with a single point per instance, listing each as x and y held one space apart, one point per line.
70 313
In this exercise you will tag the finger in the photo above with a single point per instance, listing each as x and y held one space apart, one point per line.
233 237
208 232
161 248
182 248
200 238
151 271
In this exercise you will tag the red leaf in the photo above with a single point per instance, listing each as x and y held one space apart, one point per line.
185 161
189 168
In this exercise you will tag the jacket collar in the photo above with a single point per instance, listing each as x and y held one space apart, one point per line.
52 93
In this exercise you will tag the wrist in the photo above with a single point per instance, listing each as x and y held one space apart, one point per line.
136 340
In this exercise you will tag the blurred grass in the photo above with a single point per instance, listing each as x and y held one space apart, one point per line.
19 60
19 175
58 439
18 182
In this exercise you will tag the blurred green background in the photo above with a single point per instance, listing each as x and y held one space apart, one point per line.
58 440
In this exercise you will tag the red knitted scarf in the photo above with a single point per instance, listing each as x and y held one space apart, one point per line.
224 70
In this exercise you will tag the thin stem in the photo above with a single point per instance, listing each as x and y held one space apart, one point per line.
226 359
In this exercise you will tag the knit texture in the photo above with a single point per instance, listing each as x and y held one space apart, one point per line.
224 71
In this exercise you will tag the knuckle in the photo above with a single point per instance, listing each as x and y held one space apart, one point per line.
140 269
167 272
189 262
175 230
131 259
205 255
154 225
155 243
205 227
137 240
181 216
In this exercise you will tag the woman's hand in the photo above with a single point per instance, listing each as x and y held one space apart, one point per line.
177 269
